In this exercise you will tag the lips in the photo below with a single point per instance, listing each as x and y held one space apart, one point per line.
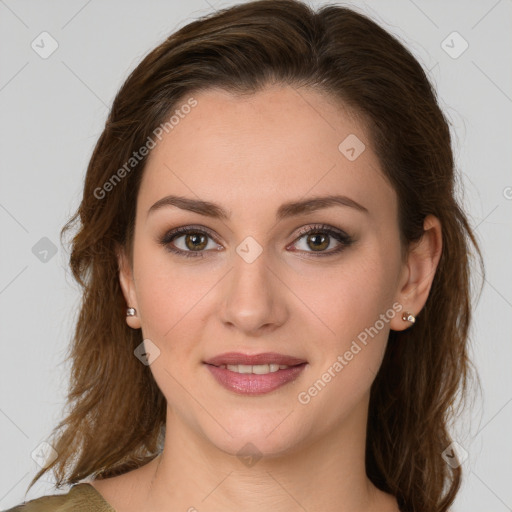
237 358
254 374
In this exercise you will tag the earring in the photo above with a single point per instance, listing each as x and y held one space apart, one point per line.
408 317
131 312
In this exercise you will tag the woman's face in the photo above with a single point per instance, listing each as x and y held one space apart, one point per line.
255 282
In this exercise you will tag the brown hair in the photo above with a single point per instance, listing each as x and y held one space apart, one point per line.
116 415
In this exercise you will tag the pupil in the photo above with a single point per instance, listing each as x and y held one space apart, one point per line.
320 241
195 241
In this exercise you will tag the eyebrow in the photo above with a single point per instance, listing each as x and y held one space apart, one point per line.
286 210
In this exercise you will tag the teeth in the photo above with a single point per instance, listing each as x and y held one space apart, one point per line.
258 369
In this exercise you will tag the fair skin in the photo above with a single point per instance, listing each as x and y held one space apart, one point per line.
250 155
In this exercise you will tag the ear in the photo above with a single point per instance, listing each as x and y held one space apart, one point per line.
418 272
128 286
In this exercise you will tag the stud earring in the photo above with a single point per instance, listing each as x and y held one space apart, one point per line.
408 317
131 312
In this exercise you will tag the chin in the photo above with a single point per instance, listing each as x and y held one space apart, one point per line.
257 434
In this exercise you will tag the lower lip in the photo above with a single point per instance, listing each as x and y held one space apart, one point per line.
254 384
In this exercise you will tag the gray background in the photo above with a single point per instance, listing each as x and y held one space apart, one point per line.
53 110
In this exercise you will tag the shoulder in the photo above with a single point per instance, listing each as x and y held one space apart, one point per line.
80 498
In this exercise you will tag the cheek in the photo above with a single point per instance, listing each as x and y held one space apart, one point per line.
355 303
352 297
170 302
167 296
346 366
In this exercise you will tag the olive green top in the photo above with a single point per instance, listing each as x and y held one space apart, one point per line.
81 497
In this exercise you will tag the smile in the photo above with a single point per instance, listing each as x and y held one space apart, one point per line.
254 374
257 369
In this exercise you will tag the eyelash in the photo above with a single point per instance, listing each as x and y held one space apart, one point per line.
344 239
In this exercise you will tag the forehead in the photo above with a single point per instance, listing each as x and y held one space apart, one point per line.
276 145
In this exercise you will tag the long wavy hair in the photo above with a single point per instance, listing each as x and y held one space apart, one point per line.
115 417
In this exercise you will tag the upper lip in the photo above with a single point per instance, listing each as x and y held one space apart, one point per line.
234 358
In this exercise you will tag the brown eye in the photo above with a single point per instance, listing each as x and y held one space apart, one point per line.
195 241
318 238
318 241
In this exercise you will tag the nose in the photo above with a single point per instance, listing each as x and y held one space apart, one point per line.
255 298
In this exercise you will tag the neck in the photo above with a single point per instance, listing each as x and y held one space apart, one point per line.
327 474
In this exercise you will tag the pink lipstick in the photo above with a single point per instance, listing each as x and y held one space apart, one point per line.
254 374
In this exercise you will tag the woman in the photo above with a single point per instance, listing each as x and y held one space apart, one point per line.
276 277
